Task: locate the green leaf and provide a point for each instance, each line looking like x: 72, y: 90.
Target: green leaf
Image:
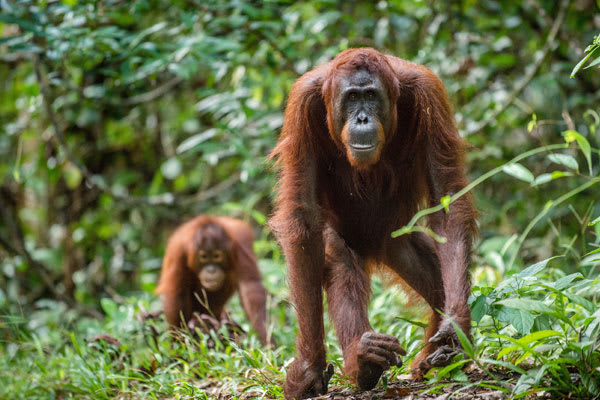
x: 506, y: 350
x: 592, y: 50
x: 564, y: 159
x: 518, y: 171
x: 526, y: 304
x: 109, y: 306
x: 194, y: 141
x: 582, y: 142
x: 592, y: 223
x: 449, y: 368
x: 593, y: 63
x: 565, y: 281
x: 464, y: 340
x: 479, y: 308
x: 521, y: 320
x: 593, y: 252
x: 536, y: 336
x: 585, y: 303
x: 544, y: 178
x: 540, y: 179
x: 534, y: 268
x: 75, y: 344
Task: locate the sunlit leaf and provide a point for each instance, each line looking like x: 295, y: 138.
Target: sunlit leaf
x: 564, y: 159
x: 194, y: 141
x: 539, y: 335
x: 518, y: 171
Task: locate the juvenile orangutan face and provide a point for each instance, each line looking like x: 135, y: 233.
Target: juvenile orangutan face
x: 212, y: 269
x: 212, y: 257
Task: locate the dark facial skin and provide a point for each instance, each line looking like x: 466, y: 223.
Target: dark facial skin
x: 361, y: 116
x: 211, y: 266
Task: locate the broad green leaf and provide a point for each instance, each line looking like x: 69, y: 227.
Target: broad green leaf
x: 521, y: 320
x: 479, y: 308
x: 526, y: 304
x: 564, y: 159
x: 518, y: 171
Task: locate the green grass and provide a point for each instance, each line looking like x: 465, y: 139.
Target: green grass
x: 537, y: 330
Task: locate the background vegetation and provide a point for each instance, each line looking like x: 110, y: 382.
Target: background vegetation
x: 119, y: 120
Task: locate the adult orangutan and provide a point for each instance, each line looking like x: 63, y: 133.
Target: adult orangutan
x: 207, y: 260
x: 367, y: 140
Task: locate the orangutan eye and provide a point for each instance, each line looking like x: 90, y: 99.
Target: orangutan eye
x: 352, y: 96
x: 217, y: 256
x: 202, y: 256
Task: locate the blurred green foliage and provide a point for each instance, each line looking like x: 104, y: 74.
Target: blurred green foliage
x: 119, y: 120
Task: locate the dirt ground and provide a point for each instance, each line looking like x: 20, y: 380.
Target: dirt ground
x: 402, y: 388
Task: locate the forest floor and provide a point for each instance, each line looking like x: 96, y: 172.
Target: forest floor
x: 404, y: 388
